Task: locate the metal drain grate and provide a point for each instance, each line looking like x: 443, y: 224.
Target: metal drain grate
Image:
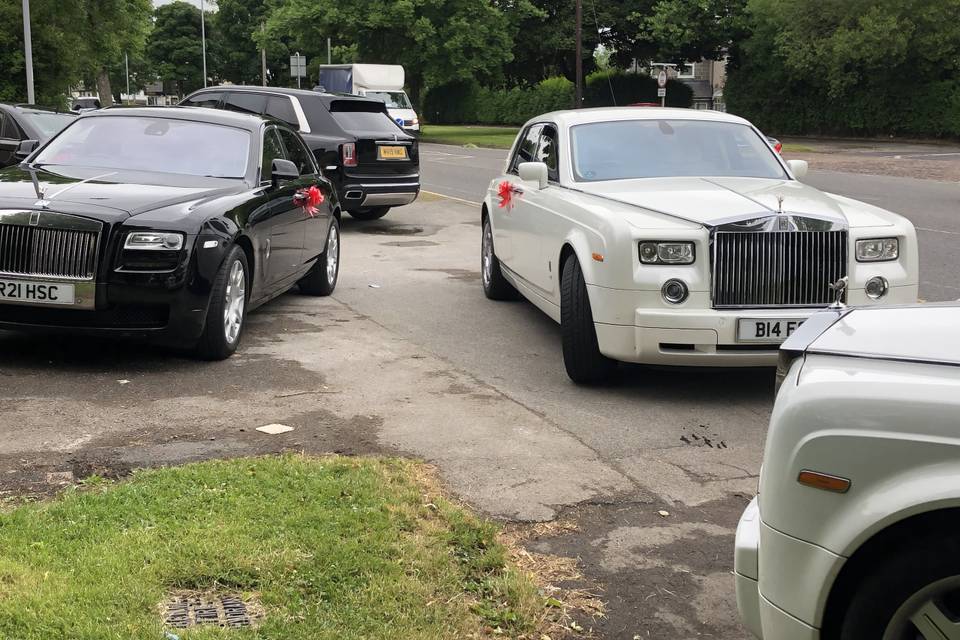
x: 184, y: 611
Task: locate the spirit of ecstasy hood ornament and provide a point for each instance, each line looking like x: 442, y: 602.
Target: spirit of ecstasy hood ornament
x: 839, y: 288
x: 780, y: 200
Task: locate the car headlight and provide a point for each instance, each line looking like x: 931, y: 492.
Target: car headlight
x: 153, y: 241
x: 878, y: 250
x: 667, y: 252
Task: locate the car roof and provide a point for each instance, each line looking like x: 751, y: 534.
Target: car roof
x: 248, y: 121
x: 327, y: 97
x: 573, y: 117
x: 914, y: 333
x: 32, y: 108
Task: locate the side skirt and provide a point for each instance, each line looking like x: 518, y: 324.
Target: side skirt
x: 528, y: 291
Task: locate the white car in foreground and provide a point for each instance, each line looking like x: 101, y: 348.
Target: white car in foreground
x: 677, y: 237
x: 855, y: 534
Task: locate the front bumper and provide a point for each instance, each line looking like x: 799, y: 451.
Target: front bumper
x: 781, y: 581
x: 638, y: 326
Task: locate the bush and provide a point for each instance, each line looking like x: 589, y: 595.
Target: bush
x: 619, y: 88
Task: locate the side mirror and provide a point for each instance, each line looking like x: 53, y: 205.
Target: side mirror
x: 26, y: 148
x: 535, y: 172
x: 798, y: 168
x: 283, y: 171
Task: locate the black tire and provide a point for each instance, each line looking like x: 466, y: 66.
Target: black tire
x: 370, y: 213
x: 581, y: 354
x: 921, y: 569
x: 322, y: 278
x: 495, y: 286
x: 219, y: 341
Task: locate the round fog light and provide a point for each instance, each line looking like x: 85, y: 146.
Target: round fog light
x: 876, y: 287
x: 674, y: 291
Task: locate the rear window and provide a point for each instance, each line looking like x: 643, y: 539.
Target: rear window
x: 246, y: 102
x: 281, y: 108
x: 359, y: 115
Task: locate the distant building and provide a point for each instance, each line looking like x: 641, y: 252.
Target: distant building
x: 707, y: 79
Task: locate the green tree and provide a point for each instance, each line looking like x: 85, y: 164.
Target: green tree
x: 692, y: 30
x: 174, y: 49
x: 109, y: 28
x: 237, y: 23
x: 435, y: 40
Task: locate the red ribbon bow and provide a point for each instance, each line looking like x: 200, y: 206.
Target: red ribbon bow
x: 308, y: 200
x: 506, y: 192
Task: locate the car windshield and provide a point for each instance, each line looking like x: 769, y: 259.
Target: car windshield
x: 627, y: 149
x: 151, y: 144
x: 393, y: 99
x: 47, y: 123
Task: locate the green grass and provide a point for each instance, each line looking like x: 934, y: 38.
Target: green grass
x: 462, y: 135
x: 790, y: 147
x: 332, y: 547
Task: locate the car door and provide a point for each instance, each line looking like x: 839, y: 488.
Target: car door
x: 9, y: 140
x: 315, y: 225
x: 541, y: 221
x: 507, y: 232
x: 278, y: 219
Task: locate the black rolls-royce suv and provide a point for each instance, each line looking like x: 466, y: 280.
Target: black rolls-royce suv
x: 373, y: 163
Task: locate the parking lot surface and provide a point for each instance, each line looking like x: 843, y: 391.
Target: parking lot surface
x: 648, y: 476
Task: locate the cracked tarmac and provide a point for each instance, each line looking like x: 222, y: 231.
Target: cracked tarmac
x: 425, y: 366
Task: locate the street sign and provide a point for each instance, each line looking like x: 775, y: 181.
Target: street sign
x: 298, y: 66
x: 662, y: 79
x: 662, y: 92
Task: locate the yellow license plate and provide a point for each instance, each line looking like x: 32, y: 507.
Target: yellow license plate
x: 391, y: 153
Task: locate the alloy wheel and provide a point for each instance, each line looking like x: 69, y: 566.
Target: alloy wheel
x: 234, y: 303
x: 933, y: 613
x: 333, y: 254
x: 487, y: 253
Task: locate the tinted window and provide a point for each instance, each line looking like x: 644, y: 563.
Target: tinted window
x: 272, y: 150
x: 151, y: 144
x: 548, y: 153
x: 246, y: 102
x: 363, y: 116
x: 527, y: 149
x: 7, y: 127
x: 203, y: 100
x: 296, y: 152
x: 280, y: 107
x: 667, y: 148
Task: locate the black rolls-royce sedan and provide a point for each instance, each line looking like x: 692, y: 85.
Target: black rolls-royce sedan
x: 168, y: 224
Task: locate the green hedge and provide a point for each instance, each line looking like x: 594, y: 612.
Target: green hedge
x: 466, y: 102
x: 780, y: 106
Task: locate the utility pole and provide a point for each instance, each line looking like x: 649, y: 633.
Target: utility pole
x: 578, y: 100
x: 263, y: 58
x: 126, y: 67
x: 203, y: 39
x: 328, y: 50
x: 28, y: 51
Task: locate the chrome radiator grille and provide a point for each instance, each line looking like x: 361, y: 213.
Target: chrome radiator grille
x: 777, y: 268
x: 46, y: 252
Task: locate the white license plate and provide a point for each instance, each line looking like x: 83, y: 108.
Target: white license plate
x: 771, y: 330
x: 36, y: 292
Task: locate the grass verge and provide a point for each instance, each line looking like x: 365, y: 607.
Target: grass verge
x: 330, y: 547
x: 463, y: 135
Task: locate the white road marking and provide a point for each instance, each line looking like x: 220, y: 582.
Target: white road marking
x: 952, y: 233
x: 443, y: 195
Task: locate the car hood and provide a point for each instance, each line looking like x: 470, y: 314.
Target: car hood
x: 714, y: 201
x: 103, y: 193
x: 925, y: 333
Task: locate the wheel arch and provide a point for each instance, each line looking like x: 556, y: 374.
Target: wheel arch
x: 901, y: 532
x: 247, y: 246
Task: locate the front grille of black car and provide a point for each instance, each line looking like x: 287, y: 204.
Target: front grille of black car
x: 119, y: 317
x: 45, y: 252
x: 777, y: 268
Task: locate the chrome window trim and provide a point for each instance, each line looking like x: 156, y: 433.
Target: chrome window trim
x: 301, y: 116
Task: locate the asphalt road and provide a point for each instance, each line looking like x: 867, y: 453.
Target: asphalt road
x: 933, y: 207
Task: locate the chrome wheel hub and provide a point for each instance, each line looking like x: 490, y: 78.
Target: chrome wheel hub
x: 333, y: 254
x: 930, y: 614
x: 487, y: 253
x: 234, y: 303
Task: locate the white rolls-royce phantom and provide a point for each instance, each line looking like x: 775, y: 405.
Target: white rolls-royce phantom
x: 678, y: 237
